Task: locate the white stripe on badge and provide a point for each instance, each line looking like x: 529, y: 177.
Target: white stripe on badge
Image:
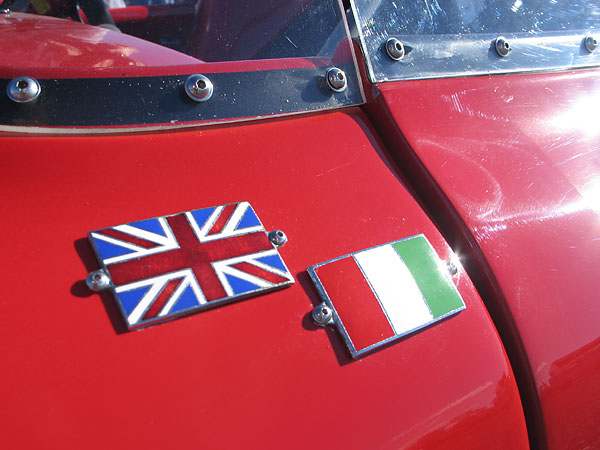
x: 395, y: 288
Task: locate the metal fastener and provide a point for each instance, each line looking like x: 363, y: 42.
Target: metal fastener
x: 199, y: 88
x: 278, y: 238
x: 590, y: 43
x: 322, y: 314
x: 502, y: 46
x: 395, y: 49
x: 336, y: 79
x: 452, y: 269
x: 98, y: 281
x: 23, y: 89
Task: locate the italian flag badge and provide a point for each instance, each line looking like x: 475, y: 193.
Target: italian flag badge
x: 385, y: 292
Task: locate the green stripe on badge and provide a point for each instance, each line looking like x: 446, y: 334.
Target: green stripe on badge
x: 436, y: 286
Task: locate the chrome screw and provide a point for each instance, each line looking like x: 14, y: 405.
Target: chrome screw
x: 278, y: 238
x: 98, y: 281
x: 502, y: 46
x: 322, y: 314
x: 23, y: 89
x: 452, y: 269
x: 336, y: 79
x: 590, y: 43
x: 395, y: 49
x: 199, y: 88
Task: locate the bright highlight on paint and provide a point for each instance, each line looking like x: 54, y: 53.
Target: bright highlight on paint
x: 386, y: 292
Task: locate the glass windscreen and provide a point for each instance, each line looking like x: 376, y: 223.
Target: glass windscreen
x: 413, y: 17
x: 105, y: 63
x: 453, y: 37
x: 211, y: 30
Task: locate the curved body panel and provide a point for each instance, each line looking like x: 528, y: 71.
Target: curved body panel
x: 512, y: 165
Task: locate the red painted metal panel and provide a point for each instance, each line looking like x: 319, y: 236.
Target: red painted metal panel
x: 518, y: 159
x: 253, y: 374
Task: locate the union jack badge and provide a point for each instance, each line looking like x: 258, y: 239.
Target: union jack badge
x: 165, y: 267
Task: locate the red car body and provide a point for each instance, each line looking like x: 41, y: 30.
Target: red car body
x: 502, y: 171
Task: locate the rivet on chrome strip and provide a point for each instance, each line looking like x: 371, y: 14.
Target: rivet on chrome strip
x: 322, y: 314
x: 278, y: 238
x: 23, y: 89
x: 502, y: 46
x: 199, y: 88
x: 590, y: 43
x: 98, y: 281
x: 336, y: 79
x: 395, y: 49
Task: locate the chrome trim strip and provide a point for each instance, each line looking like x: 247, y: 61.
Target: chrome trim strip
x: 118, y: 103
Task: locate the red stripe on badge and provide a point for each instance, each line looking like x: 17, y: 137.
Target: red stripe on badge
x: 161, y: 300
x: 356, y: 304
x: 223, y: 218
x: 260, y: 273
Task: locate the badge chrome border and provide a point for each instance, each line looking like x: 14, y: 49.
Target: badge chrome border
x: 198, y: 308
x: 337, y: 322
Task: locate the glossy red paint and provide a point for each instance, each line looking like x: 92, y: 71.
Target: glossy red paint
x: 510, y: 165
x: 253, y: 374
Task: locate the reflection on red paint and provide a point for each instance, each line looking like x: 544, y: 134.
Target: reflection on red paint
x: 446, y: 431
x: 510, y: 168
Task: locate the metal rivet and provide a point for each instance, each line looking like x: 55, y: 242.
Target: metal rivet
x: 395, y: 49
x: 452, y: 269
x: 336, y: 79
x: 278, y: 238
x: 199, y: 88
x: 502, y: 46
x: 23, y: 89
x: 322, y: 314
x: 98, y: 281
x: 590, y: 43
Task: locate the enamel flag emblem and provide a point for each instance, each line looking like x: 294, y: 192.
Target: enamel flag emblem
x: 165, y: 267
x: 383, y: 293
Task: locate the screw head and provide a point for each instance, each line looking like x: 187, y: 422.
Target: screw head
x: 590, y: 43
x: 336, y: 79
x: 452, y: 269
x: 98, y: 281
x: 278, y: 238
x: 23, y: 89
x: 394, y: 49
x: 199, y: 88
x: 322, y: 314
x: 502, y: 46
